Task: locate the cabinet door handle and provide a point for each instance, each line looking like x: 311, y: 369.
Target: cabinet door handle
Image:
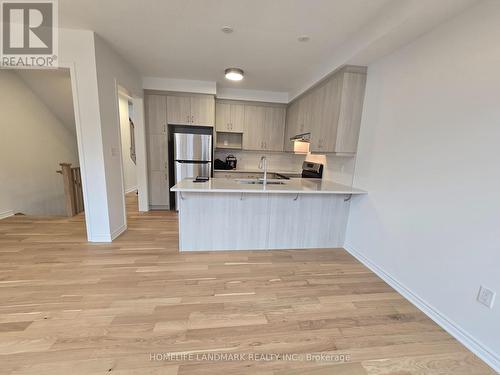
x: 192, y: 119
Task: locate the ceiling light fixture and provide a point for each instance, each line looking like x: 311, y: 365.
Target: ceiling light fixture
x: 303, y: 38
x: 227, y: 29
x: 234, y: 74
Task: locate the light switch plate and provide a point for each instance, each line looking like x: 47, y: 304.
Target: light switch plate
x: 486, y: 297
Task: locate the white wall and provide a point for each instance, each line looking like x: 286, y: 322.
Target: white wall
x: 76, y: 51
x: 335, y: 168
x: 129, y: 167
x: 112, y: 71
x: 33, y: 142
x: 429, y: 158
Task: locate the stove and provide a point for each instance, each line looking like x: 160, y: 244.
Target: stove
x: 312, y: 170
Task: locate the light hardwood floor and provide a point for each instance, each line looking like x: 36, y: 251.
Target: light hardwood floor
x: 70, y: 307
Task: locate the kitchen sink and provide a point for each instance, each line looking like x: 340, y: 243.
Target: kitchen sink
x: 260, y: 181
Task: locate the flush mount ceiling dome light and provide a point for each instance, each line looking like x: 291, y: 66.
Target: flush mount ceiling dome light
x: 234, y: 74
x: 227, y: 29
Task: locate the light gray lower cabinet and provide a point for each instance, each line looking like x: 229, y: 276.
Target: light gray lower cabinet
x: 306, y: 221
x: 156, y: 129
x: 158, y: 190
x: 235, y: 221
x: 210, y: 222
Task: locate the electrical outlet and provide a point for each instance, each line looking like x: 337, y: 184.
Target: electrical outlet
x: 486, y: 297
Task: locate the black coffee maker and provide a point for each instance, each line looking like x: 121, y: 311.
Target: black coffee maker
x: 231, y: 161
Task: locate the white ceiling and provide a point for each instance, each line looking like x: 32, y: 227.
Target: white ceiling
x: 182, y: 38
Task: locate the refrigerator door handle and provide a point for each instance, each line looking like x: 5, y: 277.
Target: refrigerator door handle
x: 194, y: 161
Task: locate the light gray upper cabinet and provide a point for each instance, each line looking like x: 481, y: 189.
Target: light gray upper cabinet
x: 156, y: 127
x: 203, y: 110
x: 324, y: 118
x: 253, y: 135
x: 264, y: 128
x: 304, y: 116
x: 292, y: 125
x: 156, y: 114
x: 191, y: 110
x: 274, y: 128
x: 331, y: 112
x: 336, y: 127
x: 351, y: 109
x: 178, y: 109
x: 229, y: 118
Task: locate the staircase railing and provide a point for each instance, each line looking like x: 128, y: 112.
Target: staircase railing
x: 73, y: 192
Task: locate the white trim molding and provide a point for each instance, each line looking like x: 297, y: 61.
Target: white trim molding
x: 179, y: 85
x: 6, y: 213
x: 252, y: 95
x: 479, y: 349
x: 99, y: 238
x: 130, y: 190
x: 105, y: 238
x: 140, y: 148
x: 118, y: 232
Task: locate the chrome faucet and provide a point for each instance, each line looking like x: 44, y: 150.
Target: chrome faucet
x: 263, y: 165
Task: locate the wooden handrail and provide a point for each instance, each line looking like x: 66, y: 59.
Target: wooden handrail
x: 72, y: 189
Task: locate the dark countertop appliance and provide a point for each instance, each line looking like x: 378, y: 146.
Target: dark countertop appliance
x: 231, y: 161
x: 312, y: 170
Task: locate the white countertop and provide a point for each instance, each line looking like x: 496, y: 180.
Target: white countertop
x: 292, y: 186
x: 256, y: 170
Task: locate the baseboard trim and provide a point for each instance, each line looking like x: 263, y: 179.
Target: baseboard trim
x: 108, y: 237
x: 118, y: 231
x: 482, y: 351
x: 5, y: 214
x: 130, y: 190
x: 159, y: 208
x: 104, y: 238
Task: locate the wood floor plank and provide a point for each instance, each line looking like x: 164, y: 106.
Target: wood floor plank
x: 69, y: 306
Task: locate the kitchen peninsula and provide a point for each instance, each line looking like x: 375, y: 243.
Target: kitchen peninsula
x: 245, y: 214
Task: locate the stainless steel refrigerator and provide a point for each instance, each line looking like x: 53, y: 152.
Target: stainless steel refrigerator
x: 192, y: 156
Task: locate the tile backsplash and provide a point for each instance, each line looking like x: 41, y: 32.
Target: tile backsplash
x: 336, y: 168
x: 275, y: 160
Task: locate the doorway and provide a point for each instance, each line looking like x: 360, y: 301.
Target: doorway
x: 38, y: 140
x: 128, y: 149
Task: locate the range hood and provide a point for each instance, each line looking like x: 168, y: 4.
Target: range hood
x: 301, y: 143
x: 305, y: 137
